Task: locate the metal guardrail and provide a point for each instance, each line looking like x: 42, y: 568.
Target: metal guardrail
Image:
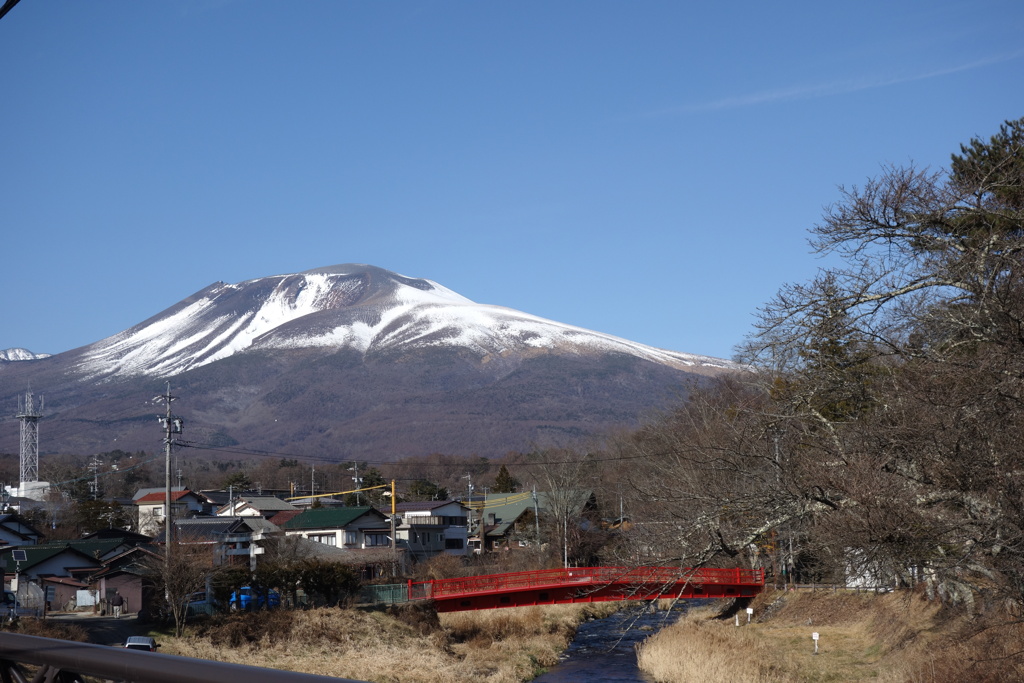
x: 386, y: 593
x: 67, y: 661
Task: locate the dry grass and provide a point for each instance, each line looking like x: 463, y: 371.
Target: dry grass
x: 888, y: 638
x: 695, y: 650
x: 45, y: 628
x: 407, y: 646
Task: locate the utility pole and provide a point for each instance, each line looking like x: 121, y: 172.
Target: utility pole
x: 357, y: 480
x: 172, y: 425
x: 482, y: 526
x: 536, y: 516
x: 469, y: 504
x: 394, y: 543
x: 565, y: 541
x: 94, y: 485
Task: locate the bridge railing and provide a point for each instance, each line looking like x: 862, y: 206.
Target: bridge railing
x: 639, y: 576
x: 64, y: 660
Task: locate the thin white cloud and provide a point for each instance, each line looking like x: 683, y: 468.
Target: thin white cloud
x: 806, y: 92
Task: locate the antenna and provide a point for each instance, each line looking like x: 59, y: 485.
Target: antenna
x: 29, y: 416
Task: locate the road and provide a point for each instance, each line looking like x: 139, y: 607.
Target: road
x: 103, y: 630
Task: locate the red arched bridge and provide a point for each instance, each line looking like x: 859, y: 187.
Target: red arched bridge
x: 585, y: 584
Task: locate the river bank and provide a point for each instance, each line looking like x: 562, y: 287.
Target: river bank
x: 889, y: 638
x: 409, y: 645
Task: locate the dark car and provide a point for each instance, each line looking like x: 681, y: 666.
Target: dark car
x: 10, y: 609
x: 144, y: 643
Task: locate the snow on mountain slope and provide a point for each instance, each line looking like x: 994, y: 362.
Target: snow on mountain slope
x: 356, y: 306
x: 21, y: 354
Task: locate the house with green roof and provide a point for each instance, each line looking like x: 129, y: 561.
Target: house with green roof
x: 363, y: 532
x: 41, y: 562
x: 509, y: 520
x: 354, y: 528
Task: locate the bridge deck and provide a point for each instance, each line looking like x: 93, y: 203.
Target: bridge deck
x: 586, y: 584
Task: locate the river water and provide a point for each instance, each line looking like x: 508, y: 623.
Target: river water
x: 604, y: 649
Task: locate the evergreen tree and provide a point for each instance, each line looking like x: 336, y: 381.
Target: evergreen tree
x: 505, y: 482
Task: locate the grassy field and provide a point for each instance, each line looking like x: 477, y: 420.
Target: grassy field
x: 895, y: 637
x: 406, y: 646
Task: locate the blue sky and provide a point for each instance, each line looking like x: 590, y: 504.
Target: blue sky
x: 644, y: 169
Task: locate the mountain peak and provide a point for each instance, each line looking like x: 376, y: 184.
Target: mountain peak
x: 352, y: 306
x: 17, y: 354
x: 350, y: 361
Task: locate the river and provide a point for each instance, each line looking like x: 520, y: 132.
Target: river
x: 604, y: 649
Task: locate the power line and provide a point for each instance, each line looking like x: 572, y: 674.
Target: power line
x: 7, y: 6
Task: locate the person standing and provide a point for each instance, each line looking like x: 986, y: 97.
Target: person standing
x: 117, y: 602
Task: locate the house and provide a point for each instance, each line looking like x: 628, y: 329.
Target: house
x: 511, y: 520
x: 320, y: 501
x: 244, y: 539
x: 154, y: 489
x: 184, y: 503
x: 352, y: 527
x: 62, y: 592
x: 432, y: 527
x: 42, y: 561
x: 15, y: 531
x: 254, y: 506
x: 126, y: 573
x: 123, y: 535
x: 362, y: 532
x: 230, y: 538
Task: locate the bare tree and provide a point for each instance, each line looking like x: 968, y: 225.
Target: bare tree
x: 902, y: 370
x: 879, y: 429
x: 191, y: 567
x: 566, y: 483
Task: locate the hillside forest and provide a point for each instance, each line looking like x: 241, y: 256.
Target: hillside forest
x: 874, y: 435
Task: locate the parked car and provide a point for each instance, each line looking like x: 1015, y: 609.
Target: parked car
x: 144, y: 643
x: 247, y: 597
x: 10, y: 609
x: 199, y: 603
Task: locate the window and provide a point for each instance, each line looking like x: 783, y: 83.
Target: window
x: 453, y: 544
x: 377, y: 539
x: 350, y: 538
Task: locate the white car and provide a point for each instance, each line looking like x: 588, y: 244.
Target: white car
x: 144, y: 643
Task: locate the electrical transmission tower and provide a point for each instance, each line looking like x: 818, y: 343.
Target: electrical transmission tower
x: 29, y: 416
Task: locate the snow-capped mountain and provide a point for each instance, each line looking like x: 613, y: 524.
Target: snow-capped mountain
x: 350, y: 361
x: 20, y: 354
x: 358, y: 307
